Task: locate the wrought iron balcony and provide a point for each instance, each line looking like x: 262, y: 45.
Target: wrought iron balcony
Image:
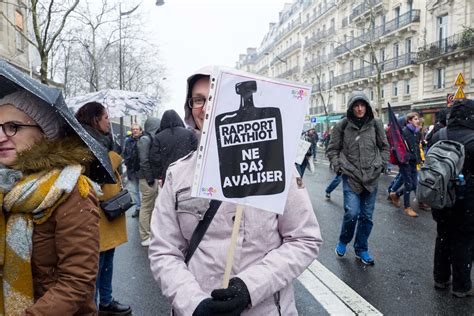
x: 322, y: 86
x: 318, y: 60
x: 369, y: 71
x: 362, y: 8
x: 455, y: 43
x: 289, y: 72
x: 313, y: 40
x: 379, y: 31
x: 325, y: 8
x: 293, y: 25
x: 290, y: 49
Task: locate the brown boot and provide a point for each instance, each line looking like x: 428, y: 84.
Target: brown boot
x: 395, y: 199
x: 410, y: 212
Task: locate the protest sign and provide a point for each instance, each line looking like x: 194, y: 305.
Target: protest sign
x: 249, y: 139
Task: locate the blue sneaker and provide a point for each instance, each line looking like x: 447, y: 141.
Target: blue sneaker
x: 340, y: 249
x: 365, y: 258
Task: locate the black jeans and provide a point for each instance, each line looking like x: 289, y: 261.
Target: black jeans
x: 454, y: 248
x: 409, y: 176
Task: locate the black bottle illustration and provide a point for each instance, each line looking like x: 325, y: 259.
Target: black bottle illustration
x: 250, y: 147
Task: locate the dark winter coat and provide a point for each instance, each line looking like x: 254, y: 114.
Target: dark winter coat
x: 413, y: 141
x: 152, y: 125
x: 359, y: 153
x: 173, y: 142
x: 130, y: 142
x: 461, y: 128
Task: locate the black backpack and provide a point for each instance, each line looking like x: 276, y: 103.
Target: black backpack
x: 444, y: 161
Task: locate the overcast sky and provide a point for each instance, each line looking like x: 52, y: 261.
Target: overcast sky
x: 197, y: 33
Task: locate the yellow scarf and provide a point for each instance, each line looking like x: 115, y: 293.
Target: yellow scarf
x: 32, y: 200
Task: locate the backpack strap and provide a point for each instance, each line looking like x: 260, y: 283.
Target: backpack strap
x: 201, y: 229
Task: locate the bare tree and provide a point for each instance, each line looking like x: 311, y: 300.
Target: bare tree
x: 48, y: 20
x: 94, y: 41
x: 321, y: 89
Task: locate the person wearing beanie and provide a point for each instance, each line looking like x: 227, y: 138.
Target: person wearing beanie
x: 94, y: 118
x: 49, y: 223
x: 454, y: 246
x: 358, y: 150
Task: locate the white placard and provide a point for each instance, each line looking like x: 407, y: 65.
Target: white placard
x: 248, y: 145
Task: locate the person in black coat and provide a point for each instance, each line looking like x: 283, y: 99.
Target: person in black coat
x: 173, y: 142
x: 454, y: 249
x: 408, y: 170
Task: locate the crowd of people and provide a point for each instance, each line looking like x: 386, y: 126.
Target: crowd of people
x: 52, y: 199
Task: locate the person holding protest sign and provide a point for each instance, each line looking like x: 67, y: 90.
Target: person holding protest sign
x: 272, y: 250
x: 359, y: 150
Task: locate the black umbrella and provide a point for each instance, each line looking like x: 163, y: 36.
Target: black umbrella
x: 12, y: 79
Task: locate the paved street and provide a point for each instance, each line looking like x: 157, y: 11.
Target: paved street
x: 399, y: 283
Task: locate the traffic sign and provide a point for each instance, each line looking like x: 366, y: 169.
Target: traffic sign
x: 314, y: 119
x: 459, y: 94
x: 460, y: 81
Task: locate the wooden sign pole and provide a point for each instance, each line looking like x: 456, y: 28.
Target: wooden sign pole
x: 233, y: 244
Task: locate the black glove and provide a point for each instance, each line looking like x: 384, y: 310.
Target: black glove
x: 203, y: 308
x: 150, y: 183
x: 230, y: 302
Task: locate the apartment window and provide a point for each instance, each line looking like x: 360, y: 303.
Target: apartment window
x: 331, y: 77
x: 396, y: 52
x: 382, y: 92
x: 408, y: 45
x: 397, y: 16
x: 439, y: 78
x: 371, y: 94
x: 382, y: 58
x: 410, y: 5
x: 442, y: 30
x: 407, y: 86
x: 395, y: 89
x: 333, y: 23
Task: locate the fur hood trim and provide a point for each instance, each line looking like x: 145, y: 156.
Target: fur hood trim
x: 51, y: 154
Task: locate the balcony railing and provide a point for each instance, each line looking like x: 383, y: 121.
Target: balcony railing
x: 363, y: 7
x: 323, y: 86
x: 313, y: 40
x: 325, y: 8
x: 368, y: 71
x: 294, y: 24
x: 289, y: 72
x: 318, y: 60
x: 290, y: 49
x: 381, y: 30
x: 457, y: 42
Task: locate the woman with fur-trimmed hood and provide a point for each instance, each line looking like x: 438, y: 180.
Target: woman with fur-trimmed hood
x: 49, y: 224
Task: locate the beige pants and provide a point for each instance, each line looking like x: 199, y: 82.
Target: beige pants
x: 149, y: 195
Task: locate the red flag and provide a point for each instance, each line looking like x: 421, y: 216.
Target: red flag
x: 398, y: 147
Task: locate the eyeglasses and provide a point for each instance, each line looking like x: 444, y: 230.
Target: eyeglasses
x: 196, y: 102
x: 10, y: 128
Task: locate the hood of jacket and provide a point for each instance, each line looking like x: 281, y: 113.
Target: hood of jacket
x: 170, y: 119
x: 359, y: 96
x: 188, y: 116
x: 50, y: 154
x: 152, y: 125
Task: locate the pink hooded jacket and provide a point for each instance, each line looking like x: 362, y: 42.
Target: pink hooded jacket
x: 272, y: 250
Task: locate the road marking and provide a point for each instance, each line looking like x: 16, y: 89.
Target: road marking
x: 333, y: 294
